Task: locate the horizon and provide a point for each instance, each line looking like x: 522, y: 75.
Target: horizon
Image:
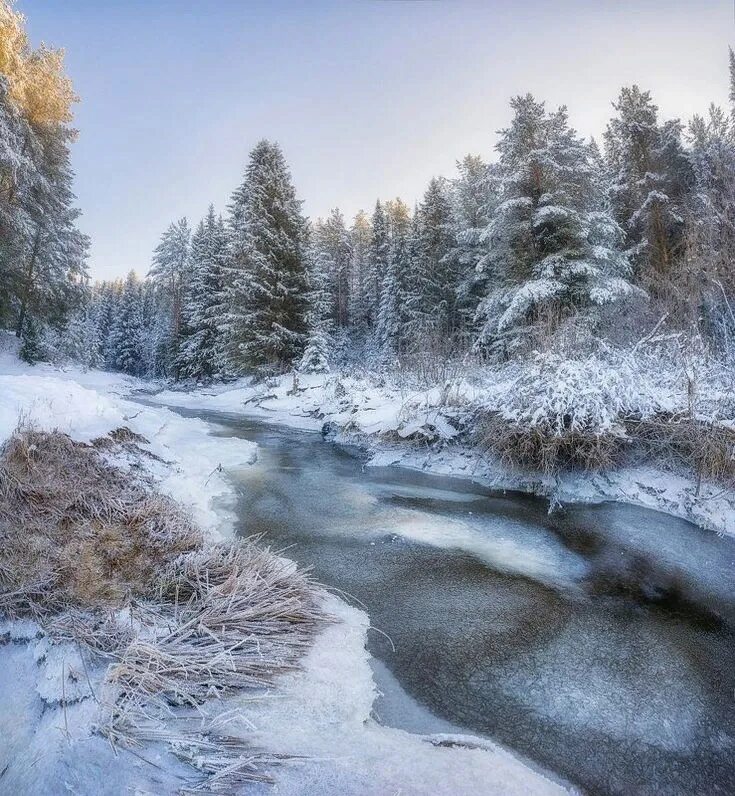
x: 367, y: 100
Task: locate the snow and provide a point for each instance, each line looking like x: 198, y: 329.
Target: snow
x: 560, y: 394
x: 49, y: 689
x: 401, y: 424
x: 89, y: 404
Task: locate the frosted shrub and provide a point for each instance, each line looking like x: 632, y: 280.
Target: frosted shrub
x: 555, y: 412
x: 559, y: 395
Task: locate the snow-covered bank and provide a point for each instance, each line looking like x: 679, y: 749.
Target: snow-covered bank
x: 48, y: 692
x: 422, y: 429
x: 88, y: 404
x: 49, y: 689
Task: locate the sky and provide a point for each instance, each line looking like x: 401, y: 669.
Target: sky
x: 368, y: 98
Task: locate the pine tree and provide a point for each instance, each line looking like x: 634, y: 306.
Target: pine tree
x: 266, y: 321
x: 52, y: 262
x: 42, y: 253
x: 651, y: 179
x: 17, y: 175
x: 551, y: 246
x: 200, y: 350
x: 710, y: 242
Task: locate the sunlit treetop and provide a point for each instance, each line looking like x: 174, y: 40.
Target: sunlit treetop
x: 37, y: 83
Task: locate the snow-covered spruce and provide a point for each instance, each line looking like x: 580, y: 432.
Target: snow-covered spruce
x: 265, y: 324
x: 552, y: 247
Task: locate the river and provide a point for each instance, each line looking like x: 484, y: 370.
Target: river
x: 597, y: 642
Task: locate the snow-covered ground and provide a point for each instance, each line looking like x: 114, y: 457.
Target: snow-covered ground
x: 86, y: 405
x: 419, y: 429
x: 48, y: 690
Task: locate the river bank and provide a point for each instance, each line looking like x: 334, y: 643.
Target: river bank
x: 427, y: 430
x: 333, y: 690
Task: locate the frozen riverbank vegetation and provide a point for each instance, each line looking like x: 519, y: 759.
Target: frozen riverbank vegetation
x: 129, y: 632
x: 646, y: 425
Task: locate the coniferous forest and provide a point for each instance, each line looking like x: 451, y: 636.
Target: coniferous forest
x: 547, y: 237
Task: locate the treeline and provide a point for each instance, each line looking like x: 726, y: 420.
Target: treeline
x: 557, y: 241
x: 43, y: 273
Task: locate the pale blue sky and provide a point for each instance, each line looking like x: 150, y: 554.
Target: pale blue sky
x: 367, y: 98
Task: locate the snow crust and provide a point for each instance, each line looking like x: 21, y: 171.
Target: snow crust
x: 48, y: 690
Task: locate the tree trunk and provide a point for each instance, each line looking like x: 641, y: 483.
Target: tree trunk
x: 28, y: 280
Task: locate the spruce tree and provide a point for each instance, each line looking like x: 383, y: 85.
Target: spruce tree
x: 433, y: 301
x: 471, y: 200
x: 267, y: 282
x: 127, y: 332
x: 200, y: 350
x: 391, y: 322
x: 552, y: 248
x: 320, y: 320
x: 359, y: 290
x: 651, y: 177
x: 332, y: 237
x: 377, y: 263
x: 170, y: 274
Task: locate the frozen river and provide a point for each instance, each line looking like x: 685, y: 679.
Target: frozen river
x: 597, y: 642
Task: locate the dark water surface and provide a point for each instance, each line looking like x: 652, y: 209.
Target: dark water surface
x: 598, y: 642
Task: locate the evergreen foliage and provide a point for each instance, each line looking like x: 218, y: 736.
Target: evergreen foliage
x: 554, y: 234
x: 43, y: 255
x: 265, y: 326
x: 552, y: 248
x: 201, y: 355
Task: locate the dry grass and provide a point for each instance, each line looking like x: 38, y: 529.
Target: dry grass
x: 538, y: 448
x: 90, y: 534
x: 673, y: 441
x: 98, y: 557
x: 680, y: 440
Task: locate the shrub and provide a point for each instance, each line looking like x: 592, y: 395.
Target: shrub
x: 555, y: 412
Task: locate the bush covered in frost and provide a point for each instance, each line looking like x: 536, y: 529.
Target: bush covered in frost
x: 554, y: 412
x: 559, y: 395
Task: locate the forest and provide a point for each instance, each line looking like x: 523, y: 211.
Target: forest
x: 553, y: 243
